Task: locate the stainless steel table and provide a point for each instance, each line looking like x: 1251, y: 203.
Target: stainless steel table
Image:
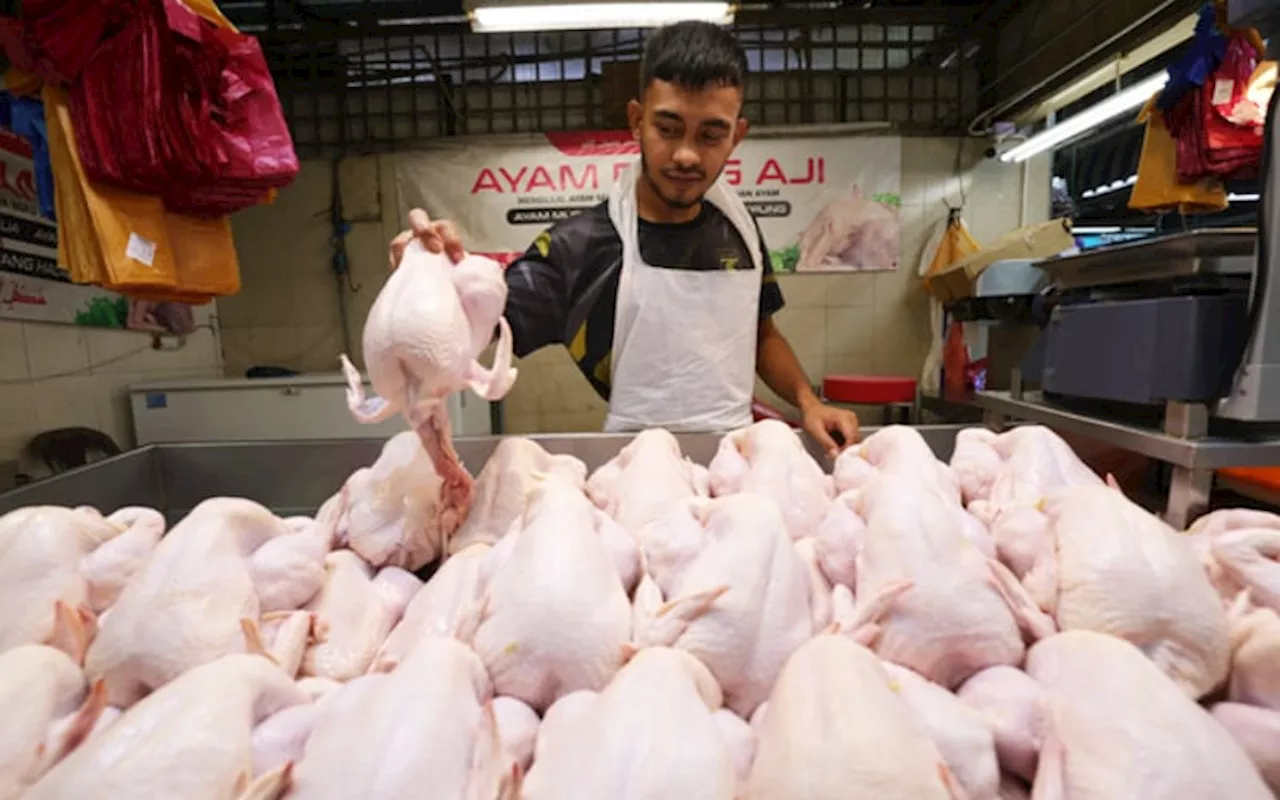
x: 296, y: 477
x: 1183, y: 442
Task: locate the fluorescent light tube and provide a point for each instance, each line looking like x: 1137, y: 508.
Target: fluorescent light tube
x: 499, y: 18
x: 1116, y: 105
x: 1243, y: 198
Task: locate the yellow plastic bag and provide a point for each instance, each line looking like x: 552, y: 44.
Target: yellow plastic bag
x: 21, y: 83
x: 107, y: 235
x: 1157, y: 188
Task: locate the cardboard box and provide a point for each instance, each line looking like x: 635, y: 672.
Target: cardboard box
x: 1037, y: 241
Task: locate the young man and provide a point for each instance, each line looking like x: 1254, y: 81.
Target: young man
x: 664, y: 294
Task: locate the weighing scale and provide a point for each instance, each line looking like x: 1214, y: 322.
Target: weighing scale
x: 1189, y: 323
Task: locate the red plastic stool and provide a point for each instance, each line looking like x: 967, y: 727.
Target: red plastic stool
x: 894, y: 394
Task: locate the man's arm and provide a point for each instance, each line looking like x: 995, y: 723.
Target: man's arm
x: 778, y: 367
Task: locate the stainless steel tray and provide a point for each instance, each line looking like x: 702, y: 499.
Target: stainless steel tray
x: 296, y: 477
x: 1224, y: 251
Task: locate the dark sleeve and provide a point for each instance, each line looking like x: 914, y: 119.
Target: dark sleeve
x: 537, y: 295
x: 771, y: 301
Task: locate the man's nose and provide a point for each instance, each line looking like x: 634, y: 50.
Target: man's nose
x: 686, y: 157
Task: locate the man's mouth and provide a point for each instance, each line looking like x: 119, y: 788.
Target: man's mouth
x: 685, y: 180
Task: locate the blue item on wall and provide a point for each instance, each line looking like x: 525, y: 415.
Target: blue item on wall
x: 28, y: 122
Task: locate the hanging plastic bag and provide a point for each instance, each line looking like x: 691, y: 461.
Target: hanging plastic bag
x: 949, y: 244
x: 1158, y: 189
x: 27, y: 120
x: 56, y: 38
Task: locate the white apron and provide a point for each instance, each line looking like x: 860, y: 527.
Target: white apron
x: 684, y: 341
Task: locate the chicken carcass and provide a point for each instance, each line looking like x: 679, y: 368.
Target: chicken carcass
x: 1119, y: 727
x: 1034, y: 462
x: 834, y: 729
x: 851, y: 232
x: 395, y: 515
x: 743, y: 605
x: 353, y: 614
x: 1104, y: 564
x: 429, y: 324
x: 198, y: 598
x: 943, y: 612
x: 1257, y: 730
x: 1255, y: 658
x: 427, y: 726
x: 892, y: 450
x: 191, y: 738
x: 1009, y: 700
x: 768, y: 458
x: 651, y: 734
x: 513, y: 469
x: 975, y: 462
x: 557, y: 618
x: 448, y: 605
x: 48, y: 710
x: 58, y: 566
x: 647, y: 478
x: 962, y: 734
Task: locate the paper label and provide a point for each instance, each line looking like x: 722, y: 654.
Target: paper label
x: 1223, y: 90
x: 140, y: 249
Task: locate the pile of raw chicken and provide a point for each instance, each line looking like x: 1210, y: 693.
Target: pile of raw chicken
x: 899, y: 629
x: 903, y: 628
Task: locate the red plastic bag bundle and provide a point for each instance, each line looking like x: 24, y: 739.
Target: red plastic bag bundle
x: 214, y: 140
x: 254, y: 148
x: 56, y: 38
x: 1217, y: 133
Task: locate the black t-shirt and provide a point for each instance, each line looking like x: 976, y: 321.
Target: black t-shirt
x: 564, y: 289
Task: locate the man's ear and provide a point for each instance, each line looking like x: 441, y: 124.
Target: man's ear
x: 740, y: 130
x: 635, y: 115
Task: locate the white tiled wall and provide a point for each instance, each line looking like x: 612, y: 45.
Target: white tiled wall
x: 55, y: 376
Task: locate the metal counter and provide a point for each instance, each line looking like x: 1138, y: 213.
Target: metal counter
x: 296, y: 477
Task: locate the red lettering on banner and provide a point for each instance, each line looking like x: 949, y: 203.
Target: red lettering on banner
x: 590, y: 178
x: 814, y: 171
x: 513, y: 181
x: 540, y: 179
x: 21, y: 185
x: 733, y: 172
x: 620, y: 167
x: 486, y: 181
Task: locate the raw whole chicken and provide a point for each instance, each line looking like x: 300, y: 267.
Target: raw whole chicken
x: 1031, y: 462
x: 557, y: 618
x: 768, y: 458
x: 190, y: 739
x: 851, y: 232
x: 963, y: 736
x: 947, y: 612
x: 651, y: 734
x: 834, y: 729
x: 743, y: 605
x: 448, y: 605
x: 1119, y: 727
x: 58, y: 566
x: 1241, y: 550
x: 646, y: 480
x: 198, y: 598
x: 395, y: 515
x: 428, y: 726
x: 429, y: 324
x: 48, y: 710
x: 1257, y: 731
x: 1255, y: 659
x: 513, y: 469
x: 893, y: 450
x: 1008, y: 699
x: 353, y: 614
x: 1102, y: 563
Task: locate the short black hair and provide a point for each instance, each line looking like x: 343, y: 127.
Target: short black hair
x: 693, y: 55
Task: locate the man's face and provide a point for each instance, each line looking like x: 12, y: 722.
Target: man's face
x: 686, y: 136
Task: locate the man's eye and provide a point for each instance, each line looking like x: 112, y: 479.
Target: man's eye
x: 713, y: 138
x: 668, y: 131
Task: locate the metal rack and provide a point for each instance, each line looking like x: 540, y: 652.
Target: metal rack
x: 1183, y: 442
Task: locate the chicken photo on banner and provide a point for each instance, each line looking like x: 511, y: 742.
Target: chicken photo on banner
x: 853, y: 231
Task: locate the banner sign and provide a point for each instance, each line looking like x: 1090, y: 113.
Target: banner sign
x: 824, y: 204
x: 32, y: 285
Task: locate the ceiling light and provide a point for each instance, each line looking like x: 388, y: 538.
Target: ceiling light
x: 1118, y: 104
x: 507, y: 16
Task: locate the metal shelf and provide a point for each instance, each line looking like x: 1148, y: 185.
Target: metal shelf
x: 1202, y: 453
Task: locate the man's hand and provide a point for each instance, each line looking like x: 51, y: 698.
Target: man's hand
x: 824, y: 423
x: 436, y: 237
